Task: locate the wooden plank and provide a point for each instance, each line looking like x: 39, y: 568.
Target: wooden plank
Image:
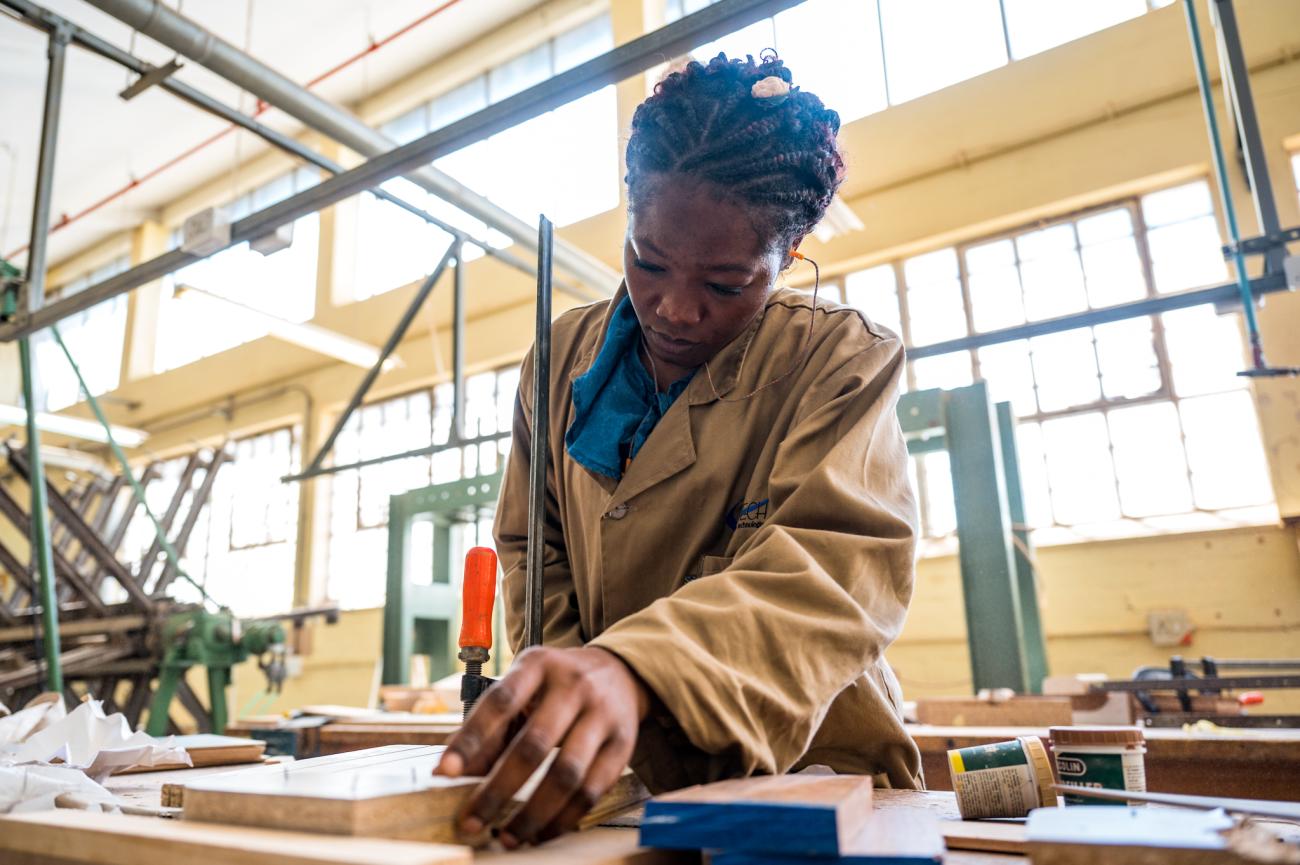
x: 985, y: 836
x: 813, y: 815
x: 894, y: 837
x: 595, y: 847
x: 340, y: 737
x: 115, y: 839
x: 381, y: 793
x: 1247, y: 764
x: 207, y: 749
x: 974, y: 712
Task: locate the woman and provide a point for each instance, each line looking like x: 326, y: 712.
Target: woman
x: 730, y: 528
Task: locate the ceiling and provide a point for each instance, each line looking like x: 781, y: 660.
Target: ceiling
x: 105, y: 142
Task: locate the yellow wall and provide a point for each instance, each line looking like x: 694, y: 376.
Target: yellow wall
x: 1115, y: 113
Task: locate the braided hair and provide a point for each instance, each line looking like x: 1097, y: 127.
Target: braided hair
x: 777, y: 153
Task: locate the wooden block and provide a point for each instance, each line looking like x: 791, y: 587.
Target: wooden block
x: 206, y: 750
x: 1016, y: 711
x: 339, y: 737
x: 380, y: 793
x: 811, y: 815
x: 893, y: 837
x: 984, y: 836
x: 115, y: 839
x: 595, y: 847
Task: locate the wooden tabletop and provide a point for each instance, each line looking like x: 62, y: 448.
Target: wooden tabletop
x: 599, y: 846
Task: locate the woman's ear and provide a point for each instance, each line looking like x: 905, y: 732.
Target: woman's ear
x: 788, y: 256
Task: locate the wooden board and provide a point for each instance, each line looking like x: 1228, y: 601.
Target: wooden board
x: 974, y: 712
x: 812, y: 815
x: 339, y: 738
x: 380, y: 793
x: 892, y: 837
x: 116, y: 839
x: 1247, y: 764
x: 206, y: 749
x: 987, y: 836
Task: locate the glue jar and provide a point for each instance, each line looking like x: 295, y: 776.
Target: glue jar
x: 1005, y: 779
x: 1113, y: 758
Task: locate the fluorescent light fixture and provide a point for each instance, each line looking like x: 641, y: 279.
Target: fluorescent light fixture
x: 73, y: 426
x: 838, y: 220
x: 66, y: 458
x: 309, y: 336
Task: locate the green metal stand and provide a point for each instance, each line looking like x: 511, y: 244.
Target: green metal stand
x: 418, y: 616
x: 1002, y: 617
x: 217, y: 641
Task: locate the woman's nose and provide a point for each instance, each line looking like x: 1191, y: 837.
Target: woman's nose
x: 676, y: 308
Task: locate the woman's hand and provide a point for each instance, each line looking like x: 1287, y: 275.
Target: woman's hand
x: 586, y: 702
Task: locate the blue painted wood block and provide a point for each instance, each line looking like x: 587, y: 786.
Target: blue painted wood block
x: 890, y: 837
x: 800, y: 815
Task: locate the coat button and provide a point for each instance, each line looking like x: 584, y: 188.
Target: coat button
x: 617, y: 512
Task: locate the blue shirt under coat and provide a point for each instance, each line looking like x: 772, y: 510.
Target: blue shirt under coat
x: 616, y: 403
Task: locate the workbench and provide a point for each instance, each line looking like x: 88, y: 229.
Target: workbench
x: 1244, y: 763
x: 599, y: 846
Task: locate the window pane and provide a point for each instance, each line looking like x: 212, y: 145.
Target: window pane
x: 583, y: 42
x: 1051, y: 273
x: 408, y: 126
x: 1225, y: 451
x: 1111, y: 264
x: 1129, y: 367
x: 934, y: 298
x: 749, y: 40
x: 1065, y: 367
x: 930, y: 44
x: 945, y: 371
x: 874, y: 292
x: 1205, y: 350
x: 394, y: 247
x: 995, y: 292
x: 841, y: 64
x: 1033, y: 475
x: 1187, y: 255
x: 1010, y: 375
x: 1149, y: 461
x: 95, y: 337
x: 940, y: 515
x: 1080, y: 468
x: 1177, y: 204
x: 1036, y: 25
x: 520, y: 73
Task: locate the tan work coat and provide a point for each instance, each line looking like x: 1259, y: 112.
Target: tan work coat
x: 754, y: 561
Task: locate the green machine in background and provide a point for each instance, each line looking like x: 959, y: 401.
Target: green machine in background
x: 217, y: 641
x: 1002, y: 614
x: 1003, y: 624
x: 421, y: 609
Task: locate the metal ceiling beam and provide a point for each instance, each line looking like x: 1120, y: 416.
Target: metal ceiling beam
x: 47, y: 21
x: 628, y: 59
x: 196, y: 42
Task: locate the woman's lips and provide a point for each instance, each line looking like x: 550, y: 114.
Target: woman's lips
x: 667, y: 345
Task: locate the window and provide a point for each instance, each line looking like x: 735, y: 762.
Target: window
x: 194, y: 325
x: 95, y: 337
x: 1127, y: 427
x: 860, y: 56
x: 563, y: 163
x: 359, y: 498
x: 244, y: 544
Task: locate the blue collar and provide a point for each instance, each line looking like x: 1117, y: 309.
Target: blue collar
x: 616, y: 404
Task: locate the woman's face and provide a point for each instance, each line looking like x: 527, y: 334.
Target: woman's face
x: 697, y: 270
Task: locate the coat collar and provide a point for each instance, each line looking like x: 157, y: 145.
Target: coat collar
x: 723, y: 368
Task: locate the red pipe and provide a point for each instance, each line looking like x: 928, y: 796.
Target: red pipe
x: 66, y: 220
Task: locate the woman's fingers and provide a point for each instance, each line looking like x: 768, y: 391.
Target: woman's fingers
x: 478, y: 743
x: 605, y: 770
x: 566, y: 777
x: 545, y: 728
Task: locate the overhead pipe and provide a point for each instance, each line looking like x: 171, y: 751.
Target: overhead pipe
x: 191, y: 39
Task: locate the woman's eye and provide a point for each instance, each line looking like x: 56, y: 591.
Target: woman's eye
x: 726, y: 290
x: 647, y: 266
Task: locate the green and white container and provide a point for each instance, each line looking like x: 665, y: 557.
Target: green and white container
x: 1112, y: 758
x: 1005, y: 779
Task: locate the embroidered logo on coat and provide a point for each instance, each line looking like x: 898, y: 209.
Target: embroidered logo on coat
x: 747, y: 515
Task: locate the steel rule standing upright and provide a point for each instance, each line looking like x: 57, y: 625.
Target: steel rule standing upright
x: 540, y: 439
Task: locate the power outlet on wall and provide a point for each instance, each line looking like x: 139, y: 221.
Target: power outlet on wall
x: 1170, y: 627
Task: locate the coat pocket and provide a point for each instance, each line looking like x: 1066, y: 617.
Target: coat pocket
x: 707, y: 566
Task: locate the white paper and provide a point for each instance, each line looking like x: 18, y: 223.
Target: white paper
x: 1138, y: 827
x: 88, y: 740
x: 35, y: 788
x: 22, y: 724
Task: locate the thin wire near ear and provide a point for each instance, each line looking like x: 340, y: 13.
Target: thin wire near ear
x: 807, y: 340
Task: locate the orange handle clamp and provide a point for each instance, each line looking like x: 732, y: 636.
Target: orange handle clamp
x: 478, y: 593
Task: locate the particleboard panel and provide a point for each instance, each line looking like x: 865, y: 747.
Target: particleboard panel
x: 815, y: 815
x: 90, y: 838
x: 382, y: 793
